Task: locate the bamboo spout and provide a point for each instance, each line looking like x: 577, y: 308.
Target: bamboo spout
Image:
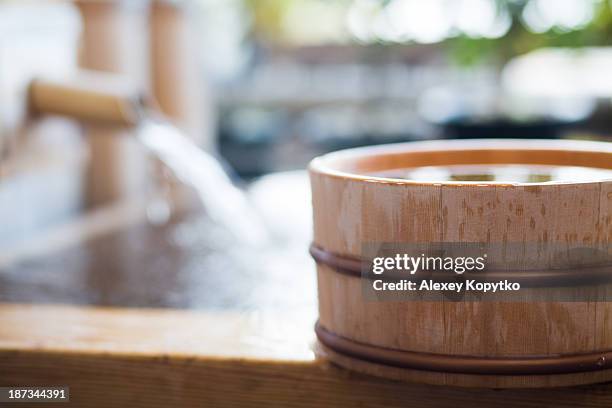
x: 98, y: 98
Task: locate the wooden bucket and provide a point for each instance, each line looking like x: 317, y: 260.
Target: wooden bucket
x: 480, y: 344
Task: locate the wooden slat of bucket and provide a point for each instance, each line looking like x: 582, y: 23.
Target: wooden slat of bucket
x: 477, y: 328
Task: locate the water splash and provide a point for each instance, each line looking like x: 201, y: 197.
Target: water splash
x: 223, y: 202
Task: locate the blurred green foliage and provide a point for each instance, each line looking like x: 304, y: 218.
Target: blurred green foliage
x: 268, y: 17
x: 520, y: 40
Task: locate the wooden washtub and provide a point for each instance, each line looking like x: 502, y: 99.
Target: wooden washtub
x: 482, y: 344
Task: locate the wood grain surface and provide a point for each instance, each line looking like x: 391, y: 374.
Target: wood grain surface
x: 154, y: 358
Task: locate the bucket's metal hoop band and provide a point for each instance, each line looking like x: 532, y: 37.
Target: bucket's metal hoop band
x: 354, y: 266
x: 511, y: 366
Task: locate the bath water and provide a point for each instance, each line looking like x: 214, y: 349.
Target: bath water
x: 509, y: 173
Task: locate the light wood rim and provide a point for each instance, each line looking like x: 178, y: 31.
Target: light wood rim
x: 354, y: 164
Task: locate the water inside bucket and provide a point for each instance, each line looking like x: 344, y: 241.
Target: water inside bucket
x: 509, y: 173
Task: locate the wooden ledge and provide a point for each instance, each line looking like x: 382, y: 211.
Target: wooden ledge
x: 154, y: 332
x: 159, y: 357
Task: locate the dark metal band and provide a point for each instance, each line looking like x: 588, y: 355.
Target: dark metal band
x: 345, y: 264
x: 561, y: 364
x: 352, y: 266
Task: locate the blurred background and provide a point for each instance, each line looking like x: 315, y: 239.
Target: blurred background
x: 308, y: 76
x: 256, y: 89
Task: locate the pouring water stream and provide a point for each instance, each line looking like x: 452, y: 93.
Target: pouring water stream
x: 224, y: 203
